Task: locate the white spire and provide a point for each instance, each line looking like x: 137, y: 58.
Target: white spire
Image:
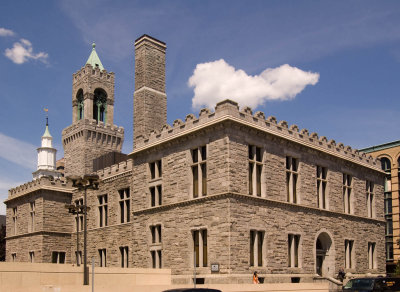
x: 46, y: 156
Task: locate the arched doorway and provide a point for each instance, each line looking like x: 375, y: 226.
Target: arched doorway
x: 324, y: 255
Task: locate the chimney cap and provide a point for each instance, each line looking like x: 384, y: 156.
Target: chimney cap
x: 145, y: 36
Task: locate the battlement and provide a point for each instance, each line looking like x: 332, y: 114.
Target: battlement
x: 229, y: 110
x: 115, y: 169
x: 91, y: 129
x: 89, y: 70
x: 45, y: 182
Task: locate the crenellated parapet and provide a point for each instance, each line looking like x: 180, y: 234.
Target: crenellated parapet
x: 96, y: 72
x: 116, y: 170
x: 229, y: 110
x: 43, y: 183
x: 96, y: 132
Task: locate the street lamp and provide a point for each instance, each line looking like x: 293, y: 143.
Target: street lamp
x: 76, y: 210
x: 88, y: 181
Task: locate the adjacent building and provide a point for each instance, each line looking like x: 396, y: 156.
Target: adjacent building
x: 389, y: 155
x: 224, y: 193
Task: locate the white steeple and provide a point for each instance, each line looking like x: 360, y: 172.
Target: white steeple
x: 46, y: 156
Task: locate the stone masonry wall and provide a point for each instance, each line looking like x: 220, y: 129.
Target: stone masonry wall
x: 277, y: 220
x: 86, y: 140
x: 115, y: 234
x: 176, y: 169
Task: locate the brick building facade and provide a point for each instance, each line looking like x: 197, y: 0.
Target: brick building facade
x: 229, y: 191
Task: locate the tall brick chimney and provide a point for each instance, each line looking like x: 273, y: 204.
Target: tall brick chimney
x: 149, y: 98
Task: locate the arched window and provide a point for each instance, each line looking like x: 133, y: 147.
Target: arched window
x: 100, y: 105
x: 385, y: 162
x: 79, y: 98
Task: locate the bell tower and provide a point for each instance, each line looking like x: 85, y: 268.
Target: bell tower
x: 92, y: 133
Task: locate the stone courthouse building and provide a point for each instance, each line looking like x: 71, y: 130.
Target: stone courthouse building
x: 228, y: 191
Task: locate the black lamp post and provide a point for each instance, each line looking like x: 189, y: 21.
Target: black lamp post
x: 76, y: 210
x: 88, y: 181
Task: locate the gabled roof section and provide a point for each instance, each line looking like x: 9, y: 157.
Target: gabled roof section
x: 94, y: 59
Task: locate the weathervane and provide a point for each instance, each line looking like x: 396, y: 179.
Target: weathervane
x: 47, y: 116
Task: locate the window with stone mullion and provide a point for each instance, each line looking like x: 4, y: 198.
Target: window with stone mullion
x: 256, y: 248
x: 349, y: 256
x: 124, y: 205
x: 291, y: 179
x: 32, y: 216
x: 103, y: 210
x: 255, y: 170
x: 200, y: 247
x: 199, y: 171
x: 321, y: 186
x: 124, y: 252
x: 103, y: 257
x: 371, y: 255
x: 370, y: 199
x: 347, y: 194
x: 293, y: 250
x: 15, y: 218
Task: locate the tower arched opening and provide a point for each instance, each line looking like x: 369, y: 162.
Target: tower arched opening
x: 100, y: 105
x: 81, y: 106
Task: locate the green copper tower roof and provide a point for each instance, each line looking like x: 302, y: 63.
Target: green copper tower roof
x: 94, y: 59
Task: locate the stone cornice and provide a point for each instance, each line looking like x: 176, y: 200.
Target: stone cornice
x: 263, y: 201
x: 42, y: 232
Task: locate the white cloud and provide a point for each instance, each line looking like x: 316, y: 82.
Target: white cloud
x: 22, y: 51
x: 216, y: 81
x: 18, y: 152
x: 6, y: 32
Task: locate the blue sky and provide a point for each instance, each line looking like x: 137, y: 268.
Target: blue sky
x: 346, y: 55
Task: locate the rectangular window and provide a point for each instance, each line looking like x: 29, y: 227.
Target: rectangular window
x: 200, y: 247
x: 321, y: 186
x: 256, y: 248
x: 58, y: 257
x: 13, y: 257
x: 156, y: 195
x: 370, y: 199
x: 371, y: 255
x: 103, y: 257
x: 32, y: 212
x: 14, y: 218
x: 347, y: 194
x: 156, y: 259
x: 293, y: 250
x: 349, y: 253
x: 155, y: 252
x: 255, y: 170
x: 124, y: 252
x: 155, y: 233
x: 103, y: 210
x: 389, y: 248
x: 155, y: 169
x: 78, y: 257
x: 79, y: 219
x: 199, y: 171
x: 124, y: 205
x: 32, y: 256
x: 291, y: 179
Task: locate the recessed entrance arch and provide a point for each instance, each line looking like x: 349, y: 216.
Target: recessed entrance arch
x: 324, y: 255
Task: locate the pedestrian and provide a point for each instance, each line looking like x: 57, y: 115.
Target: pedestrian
x: 341, y: 274
x: 255, y: 278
